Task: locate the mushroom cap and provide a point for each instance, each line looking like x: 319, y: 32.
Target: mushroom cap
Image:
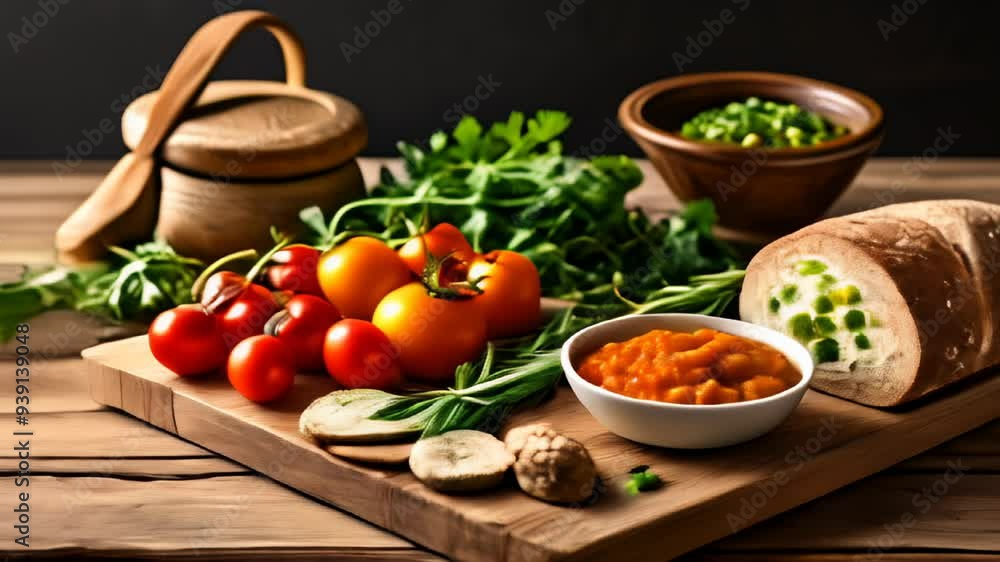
x: 551, y: 466
x: 462, y: 460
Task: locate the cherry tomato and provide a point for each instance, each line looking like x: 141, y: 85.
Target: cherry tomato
x: 302, y: 325
x: 512, y: 292
x: 295, y: 270
x: 440, y: 241
x: 433, y: 335
x: 246, y: 314
x: 261, y: 368
x: 358, y: 273
x: 359, y: 355
x: 187, y: 340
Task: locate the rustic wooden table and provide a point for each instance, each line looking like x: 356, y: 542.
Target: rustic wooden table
x: 105, y: 485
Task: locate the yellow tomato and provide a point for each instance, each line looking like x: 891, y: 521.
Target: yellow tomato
x: 356, y: 275
x: 432, y: 335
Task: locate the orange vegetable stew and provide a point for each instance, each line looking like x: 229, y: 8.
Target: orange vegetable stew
x: 706, y: 367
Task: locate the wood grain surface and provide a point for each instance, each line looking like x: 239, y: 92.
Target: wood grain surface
x: 846, y: 525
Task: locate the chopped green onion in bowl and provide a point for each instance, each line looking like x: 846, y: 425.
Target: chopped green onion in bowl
x: 767, y: 124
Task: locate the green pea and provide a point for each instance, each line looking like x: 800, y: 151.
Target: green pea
x: 810, y: 267
x: 801, y: 327
x: 823, y: 304
x: 789, y: 294
x: 854, y: 320
x: 862, y: 341
x: 824, y: 325
x: 751, y: 140
x: 826, y: 350
x: 825, y: 282
x: 774, y: 305
x: 845, y: 295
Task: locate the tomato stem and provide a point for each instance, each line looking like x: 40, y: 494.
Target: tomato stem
x: 199, y: 283
x: 259, y: 266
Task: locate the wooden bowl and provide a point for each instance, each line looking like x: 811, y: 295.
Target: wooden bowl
x: 761, y: 192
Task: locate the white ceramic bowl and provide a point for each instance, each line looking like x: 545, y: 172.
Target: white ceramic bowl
x: 683, y: 426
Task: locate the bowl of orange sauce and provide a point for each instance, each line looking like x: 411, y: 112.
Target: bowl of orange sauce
x: 686, y: 381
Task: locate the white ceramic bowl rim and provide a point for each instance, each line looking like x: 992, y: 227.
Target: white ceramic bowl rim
x: 807, y: 370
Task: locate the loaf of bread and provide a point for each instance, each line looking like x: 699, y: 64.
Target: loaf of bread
x: 894, y: 302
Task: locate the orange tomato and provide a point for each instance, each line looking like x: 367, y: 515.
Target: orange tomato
x: 440, y: 241
x: 356, y: 275
x: 512, y: 292
x: 433, y: 335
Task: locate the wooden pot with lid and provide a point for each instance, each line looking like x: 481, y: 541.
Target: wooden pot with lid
x: 232, y: 160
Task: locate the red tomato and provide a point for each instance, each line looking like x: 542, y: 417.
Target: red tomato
x: 187, y: 340
x: 512, y: 292
x: 295, y: 270
x: 303, y: 326
x: 359, y: 355
x: 433, y: 335
x: 261, y: 368
x: 246, y: 314
x: 440, y: 241
x: 358, y: 273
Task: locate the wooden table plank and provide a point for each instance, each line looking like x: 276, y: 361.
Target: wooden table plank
x: 259, y: 514
x: 228, y: 517
x: 106, y: 434
x: 891, y: 512
x: 59, y: 385
x: 882, y: 181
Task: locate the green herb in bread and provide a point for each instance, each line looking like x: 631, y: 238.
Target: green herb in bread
x: 894, y: 303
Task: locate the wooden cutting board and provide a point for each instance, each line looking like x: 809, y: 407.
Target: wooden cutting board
x: 827, y: 443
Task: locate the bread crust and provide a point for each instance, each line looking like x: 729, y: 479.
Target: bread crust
x: 919, y: 259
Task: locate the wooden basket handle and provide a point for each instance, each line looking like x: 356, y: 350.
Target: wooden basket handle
x: 190, y: 72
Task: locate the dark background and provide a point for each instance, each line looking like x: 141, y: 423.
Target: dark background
x: 939, y: 69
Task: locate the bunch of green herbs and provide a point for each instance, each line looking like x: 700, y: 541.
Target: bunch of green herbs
x: 510, y: 186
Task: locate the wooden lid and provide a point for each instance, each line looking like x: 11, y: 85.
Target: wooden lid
x: 256, y: 129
